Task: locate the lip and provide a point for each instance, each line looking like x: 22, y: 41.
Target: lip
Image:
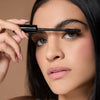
x: 57, y: 72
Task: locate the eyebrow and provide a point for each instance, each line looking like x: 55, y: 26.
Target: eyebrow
x: 69, y: 21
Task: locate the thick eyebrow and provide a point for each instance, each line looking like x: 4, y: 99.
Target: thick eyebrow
x: 68, y: 21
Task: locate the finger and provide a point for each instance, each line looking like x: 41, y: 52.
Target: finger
x: 21, y: 22
x: 17, y: 38
x: 10, y: 41
x: 12, y: 27
x: 25, y: 35
x: 9, y: 51
x: 18, y: 21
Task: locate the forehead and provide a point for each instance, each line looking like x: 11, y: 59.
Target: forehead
x: 54, y: 11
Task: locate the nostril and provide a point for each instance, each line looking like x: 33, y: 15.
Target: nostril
x: 57, y: 57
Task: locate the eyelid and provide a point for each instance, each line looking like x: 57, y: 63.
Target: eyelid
x: 38, y: 36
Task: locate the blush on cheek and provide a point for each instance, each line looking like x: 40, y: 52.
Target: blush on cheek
x: 84, y: 50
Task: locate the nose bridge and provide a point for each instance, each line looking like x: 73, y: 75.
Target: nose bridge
x: 53, y: 46
x: 54, y: 50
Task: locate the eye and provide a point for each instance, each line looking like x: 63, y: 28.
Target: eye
x: 41, y: 42
x: 39, y: 39
x: 71, y: 35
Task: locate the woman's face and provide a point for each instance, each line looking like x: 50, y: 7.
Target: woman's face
x: 66, y: 59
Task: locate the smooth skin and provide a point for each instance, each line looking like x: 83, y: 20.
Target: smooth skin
x: 59, y: 49
x: 9, y: 45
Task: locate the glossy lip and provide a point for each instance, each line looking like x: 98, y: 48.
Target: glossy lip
x: 57, y: 72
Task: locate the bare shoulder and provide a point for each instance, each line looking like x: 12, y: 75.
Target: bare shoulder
x: 23, y: 98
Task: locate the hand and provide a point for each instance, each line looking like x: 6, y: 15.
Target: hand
x: 9, y: 45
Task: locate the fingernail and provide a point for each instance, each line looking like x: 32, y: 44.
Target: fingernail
x: 20, y: 55
x: 19, y: 33
x: 24, y: 34
x: 21, y: 58
x: 24, y: 20
x: 17, y: 60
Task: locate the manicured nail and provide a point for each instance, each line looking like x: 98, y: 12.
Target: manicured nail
x: 17, y: 60
x: 24, y: 20
x: 21, y: 58
x: 24, y: 34
x: 19, y: 33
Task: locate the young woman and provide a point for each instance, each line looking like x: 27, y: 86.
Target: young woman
x: 62, y: 65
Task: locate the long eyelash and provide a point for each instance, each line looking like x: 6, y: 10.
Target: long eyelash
x: 74, y: 31
x: 77, y: 33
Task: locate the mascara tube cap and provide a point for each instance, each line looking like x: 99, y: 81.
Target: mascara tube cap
x: 29, y: 28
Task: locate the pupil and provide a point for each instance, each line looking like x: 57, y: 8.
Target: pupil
x: 43, y: 41
x: 71, y: 34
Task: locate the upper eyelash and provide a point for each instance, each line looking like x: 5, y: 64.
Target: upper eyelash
x: 73, y: 33
x: 35, y: 41
x: 36, y: 37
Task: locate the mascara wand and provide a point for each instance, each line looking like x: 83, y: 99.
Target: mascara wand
x: 34, y: 28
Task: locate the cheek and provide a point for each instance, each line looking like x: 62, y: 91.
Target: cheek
x: 84, y: 51
x: 83, y: 59
x: 40, y: 58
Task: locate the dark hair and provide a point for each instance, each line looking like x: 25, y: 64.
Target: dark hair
x: 37, y: 84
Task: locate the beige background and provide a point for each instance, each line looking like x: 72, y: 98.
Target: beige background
x: 15, y: 83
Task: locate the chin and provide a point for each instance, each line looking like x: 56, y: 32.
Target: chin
x: 61, y: 91
x: 62, y: 88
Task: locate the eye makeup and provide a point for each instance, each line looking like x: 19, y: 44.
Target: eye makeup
x: 40, y: 37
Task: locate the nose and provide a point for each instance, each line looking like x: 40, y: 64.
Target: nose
x: 54, y: 51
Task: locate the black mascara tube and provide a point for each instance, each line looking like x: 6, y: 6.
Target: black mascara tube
x: 29, y: 28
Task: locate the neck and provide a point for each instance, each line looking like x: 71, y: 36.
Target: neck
x: 81, y: 93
